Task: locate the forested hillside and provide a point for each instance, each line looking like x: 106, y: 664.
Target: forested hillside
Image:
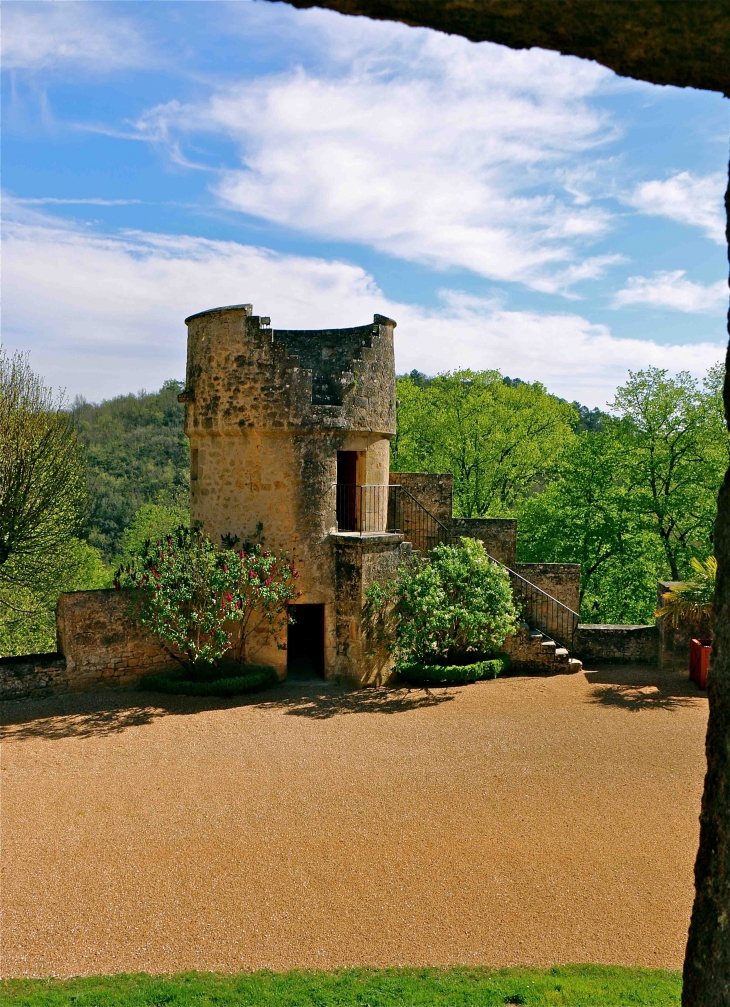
x: 136, y: 454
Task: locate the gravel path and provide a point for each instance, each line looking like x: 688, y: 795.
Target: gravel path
x: 520, y: 821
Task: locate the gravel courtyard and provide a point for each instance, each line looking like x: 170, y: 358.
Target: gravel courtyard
x: 527, y: 820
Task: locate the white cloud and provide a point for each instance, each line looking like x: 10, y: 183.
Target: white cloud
x: 696, y: 200
x: 47, y: 36
x: 104, y: 314
x: 670, y: 289
x: 424, y: 147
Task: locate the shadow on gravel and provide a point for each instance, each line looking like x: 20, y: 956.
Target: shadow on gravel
x: 98, y: 714
x: 642, y: 687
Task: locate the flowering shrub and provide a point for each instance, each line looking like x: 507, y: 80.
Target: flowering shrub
x: 440, y: 611
x: 202, y: 602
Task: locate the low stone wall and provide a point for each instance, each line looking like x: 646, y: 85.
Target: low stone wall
x: 559, y: 580
x: 433, y: 490
x: 527, y: 654
x: 103, y: 645
x: 99, y: 647
x: 32, y: 676
x: 617, y: 644
x: 499, y: 535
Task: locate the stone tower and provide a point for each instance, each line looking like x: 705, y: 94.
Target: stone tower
x: 279, y: 422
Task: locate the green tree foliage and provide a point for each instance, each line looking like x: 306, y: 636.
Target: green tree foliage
x: 152, y: 522
x: 457, y: 603
x: 635, y: 501
x: 136, y: 454
x: 501, y: 440
x: 205, y: 603
x: 675, y: 458
x: 28, y: 623
x: 42, y: 506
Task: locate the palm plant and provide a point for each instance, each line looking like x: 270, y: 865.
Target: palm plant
x: 691, y: 600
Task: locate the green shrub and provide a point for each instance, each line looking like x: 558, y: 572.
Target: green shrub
x: 453, y: 674
x: 454, y: 606
x: 208, y: 682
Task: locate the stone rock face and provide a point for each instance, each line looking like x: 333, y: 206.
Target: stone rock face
x: 676, y: 42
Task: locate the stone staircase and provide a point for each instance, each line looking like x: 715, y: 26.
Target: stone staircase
x: 531, y: 650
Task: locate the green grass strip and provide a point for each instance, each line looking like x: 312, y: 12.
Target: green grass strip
x: 567, y: 985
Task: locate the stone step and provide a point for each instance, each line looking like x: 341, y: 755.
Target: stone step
x: 574, y: 664
x: 562, y: 655
x: 548, y: 646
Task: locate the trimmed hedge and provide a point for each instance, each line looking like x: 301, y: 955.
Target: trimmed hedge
x: 179, y: 683
x: 453, y: 674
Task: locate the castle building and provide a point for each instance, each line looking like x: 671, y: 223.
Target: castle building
x: 291, y: 429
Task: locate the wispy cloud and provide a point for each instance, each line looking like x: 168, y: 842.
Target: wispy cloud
x: 696, y: 200
x: 51, y: 36
x: 99, y: 310
x: 86, y: 201
x: 671, y: 289
x: 428, y: 148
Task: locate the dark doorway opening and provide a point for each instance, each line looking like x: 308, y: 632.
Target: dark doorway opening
x: 348, y: 510
x: 305, y: 641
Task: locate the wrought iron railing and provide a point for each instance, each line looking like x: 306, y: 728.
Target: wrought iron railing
x: 540, y: 610
x: 372, y: 509
x: 369, y: 509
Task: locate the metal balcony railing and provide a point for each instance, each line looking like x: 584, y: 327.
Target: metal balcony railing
x: 369, y: 509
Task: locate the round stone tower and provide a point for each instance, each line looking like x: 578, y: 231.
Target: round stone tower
x: 290, y: 429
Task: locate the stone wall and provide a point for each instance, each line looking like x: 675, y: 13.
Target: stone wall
x: 361, y: 658
x: 618, y: 644
x: 559, y: 580
x: 433, y: 490
x: 32, y: 675
x: 499, y: 535
x: 103, y: 645
x: 99, y: 647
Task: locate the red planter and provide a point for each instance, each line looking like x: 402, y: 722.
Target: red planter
x: 699, y: 661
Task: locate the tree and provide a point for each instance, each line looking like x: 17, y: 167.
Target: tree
x: 137, y: 454
x: 501, y: 441
x: 676, y: 452
x: 152, y: 522
x: 42, y: 491
x: 586, y: 515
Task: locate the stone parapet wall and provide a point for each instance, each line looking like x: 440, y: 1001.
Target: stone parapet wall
x: 103, y: 645
x: 359, y: 562
x: 499, y: 535
x: 32, y: 676
x: 433, y: 490
x: 618, y: 644
x: 242, y: 375
x: 560, y: 580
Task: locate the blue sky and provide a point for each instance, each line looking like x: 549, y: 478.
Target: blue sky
x: 520, y: 210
